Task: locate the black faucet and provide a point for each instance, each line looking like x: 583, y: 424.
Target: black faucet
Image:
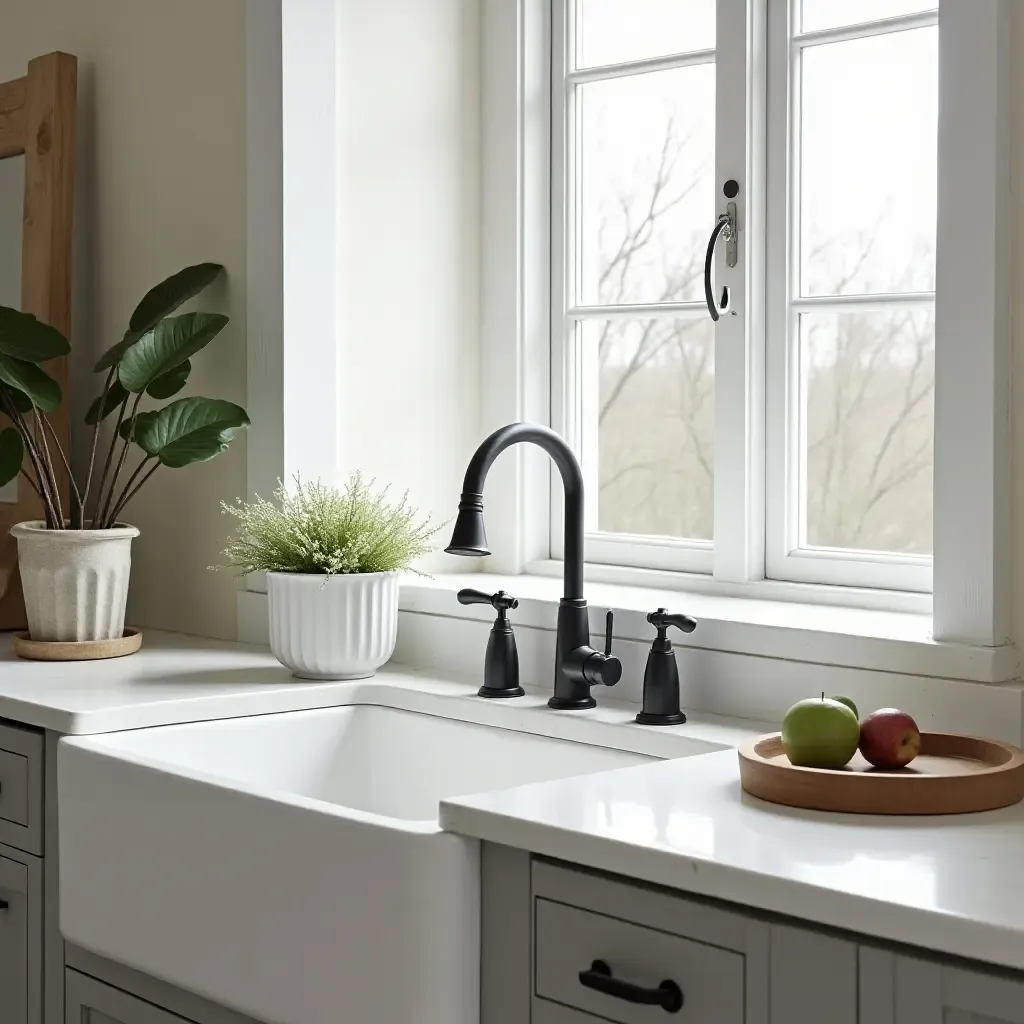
x: 577, y: 665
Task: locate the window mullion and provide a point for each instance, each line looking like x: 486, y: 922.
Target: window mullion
x: 739, y: 337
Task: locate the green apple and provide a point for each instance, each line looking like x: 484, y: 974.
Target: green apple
x: 820, y: 733
x: 848, y: 701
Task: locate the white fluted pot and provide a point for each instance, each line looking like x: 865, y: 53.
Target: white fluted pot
x: 333, y: 627
x: 75, y: 582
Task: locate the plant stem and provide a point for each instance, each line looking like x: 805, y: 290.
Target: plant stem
x: 109, y: 459
x: 42, y: 489
x: 30, y: 482
x: 95, y: 440
x: 78, y: 508
x: 138, y: 487
x: 122, y: 498
x: 105, y: 514
x: 41, y: 436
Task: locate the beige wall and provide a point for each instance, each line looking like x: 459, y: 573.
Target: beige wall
x: 161, y: 184
x: 1017, y: 364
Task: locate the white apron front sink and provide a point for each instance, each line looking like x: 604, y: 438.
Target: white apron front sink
x: 291, y: 865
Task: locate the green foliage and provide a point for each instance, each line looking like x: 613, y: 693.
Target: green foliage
x: 22, y: 336
x: 106, y: 403
x: 319, y: 530
x: 171, y: 382
x: 153, y: 358
x: 159, y: 302
x: 37, y: 385
x: 12, y: 451
x: 166, y: 347
x: 189, y: 430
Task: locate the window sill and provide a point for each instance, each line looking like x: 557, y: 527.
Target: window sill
x: 857, y: 638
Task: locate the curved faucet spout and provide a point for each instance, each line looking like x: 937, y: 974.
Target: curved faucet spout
x: 469, y: 537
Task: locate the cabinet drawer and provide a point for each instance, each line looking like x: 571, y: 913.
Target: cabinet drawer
x: 89, y: 1001
x: 577, y: 953
x: 21, y: 789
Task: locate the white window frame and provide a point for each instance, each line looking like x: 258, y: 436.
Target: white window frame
x: 785, y: 558
x: 736, y: 555
x: 971, y: 586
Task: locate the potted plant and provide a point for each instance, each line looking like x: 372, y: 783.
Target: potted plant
x: 333, y: 560
x: 75, y: 562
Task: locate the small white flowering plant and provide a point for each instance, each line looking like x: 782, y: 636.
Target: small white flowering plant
x: 319, y: 530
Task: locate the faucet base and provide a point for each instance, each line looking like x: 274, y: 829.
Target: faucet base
x: 656, y: 718
x: 572, y: 704
x: 496, y: 693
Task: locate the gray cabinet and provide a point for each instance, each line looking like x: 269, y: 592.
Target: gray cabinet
x: 88, y: 1001
x: 21, y: 942
x: 928, y: 991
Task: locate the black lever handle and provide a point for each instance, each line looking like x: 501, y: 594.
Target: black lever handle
x: 501, y: 601
x: 662, y: 620
x: 609, y: 620
x: 723, y: 224
x: 668, y: 995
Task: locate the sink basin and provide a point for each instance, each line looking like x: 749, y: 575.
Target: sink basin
x: 291, y: 865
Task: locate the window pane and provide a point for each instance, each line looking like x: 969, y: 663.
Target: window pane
x: 833, y: 13
x: 869, y: 113
x: 613, y: 31
x: 655, y: 425
x: 868, y: 381
x: 645, y: 187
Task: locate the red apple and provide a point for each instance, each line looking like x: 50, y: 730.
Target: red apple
x: 889, y: 738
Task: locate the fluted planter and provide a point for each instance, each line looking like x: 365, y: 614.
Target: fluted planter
x: 333, y: 627
x: 75, y: 582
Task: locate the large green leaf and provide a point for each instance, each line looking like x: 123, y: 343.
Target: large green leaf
x: 114, y: 397
x: 24, y: 337
x: 171, y: 382
x: 12, y: 451
x: 22, y: 403
x: 189, y: 430
x: 32, y: 381
x: 167, y: 296
x: 112, y: 356
x: 168, y: 345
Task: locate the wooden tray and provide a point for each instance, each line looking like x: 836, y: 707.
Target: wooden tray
x: 85, y: 650
x: 952, y: 775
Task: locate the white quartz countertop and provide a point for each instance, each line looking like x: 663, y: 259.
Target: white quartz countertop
x: 948, y: 884
x: 173, y: 679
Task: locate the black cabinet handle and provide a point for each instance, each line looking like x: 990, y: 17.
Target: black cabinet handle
x: 668, y: 995
x: 4, y: 905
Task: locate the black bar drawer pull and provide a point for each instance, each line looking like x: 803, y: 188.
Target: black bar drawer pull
x: 668, y: 995
x: 4, y: 905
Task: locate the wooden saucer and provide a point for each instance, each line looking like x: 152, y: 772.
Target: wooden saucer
x: 85, y: 650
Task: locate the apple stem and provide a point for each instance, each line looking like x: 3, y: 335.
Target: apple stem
x: 822, y: 694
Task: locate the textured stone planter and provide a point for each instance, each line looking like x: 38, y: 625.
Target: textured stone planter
x: 334, y: 627
x: 75, y: 581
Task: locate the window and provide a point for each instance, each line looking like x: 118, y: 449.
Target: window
x: 794, y: 438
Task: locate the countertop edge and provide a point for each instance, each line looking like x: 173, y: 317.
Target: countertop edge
x: 872, y: 919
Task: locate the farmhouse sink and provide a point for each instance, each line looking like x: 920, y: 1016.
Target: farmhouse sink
x: 291, y: 865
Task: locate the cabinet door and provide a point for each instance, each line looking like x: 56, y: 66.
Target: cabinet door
x: 813, y: 977
x: 930, y: 992
x: 14, y: 966
x: 88, y: 1001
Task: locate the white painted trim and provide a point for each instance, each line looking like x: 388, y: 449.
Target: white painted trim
x: 866, y: 29
x: 739, y: 334
x: 974, y: 287
x: 785, y: 557
x: 291, y: 247
x: 761, y: 590
x: 264, y: 298
x: 669, y: 62
x: 515, y: 327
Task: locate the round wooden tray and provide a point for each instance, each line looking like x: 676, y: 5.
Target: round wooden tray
x: 85, y: 650
x: 952, y: 775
